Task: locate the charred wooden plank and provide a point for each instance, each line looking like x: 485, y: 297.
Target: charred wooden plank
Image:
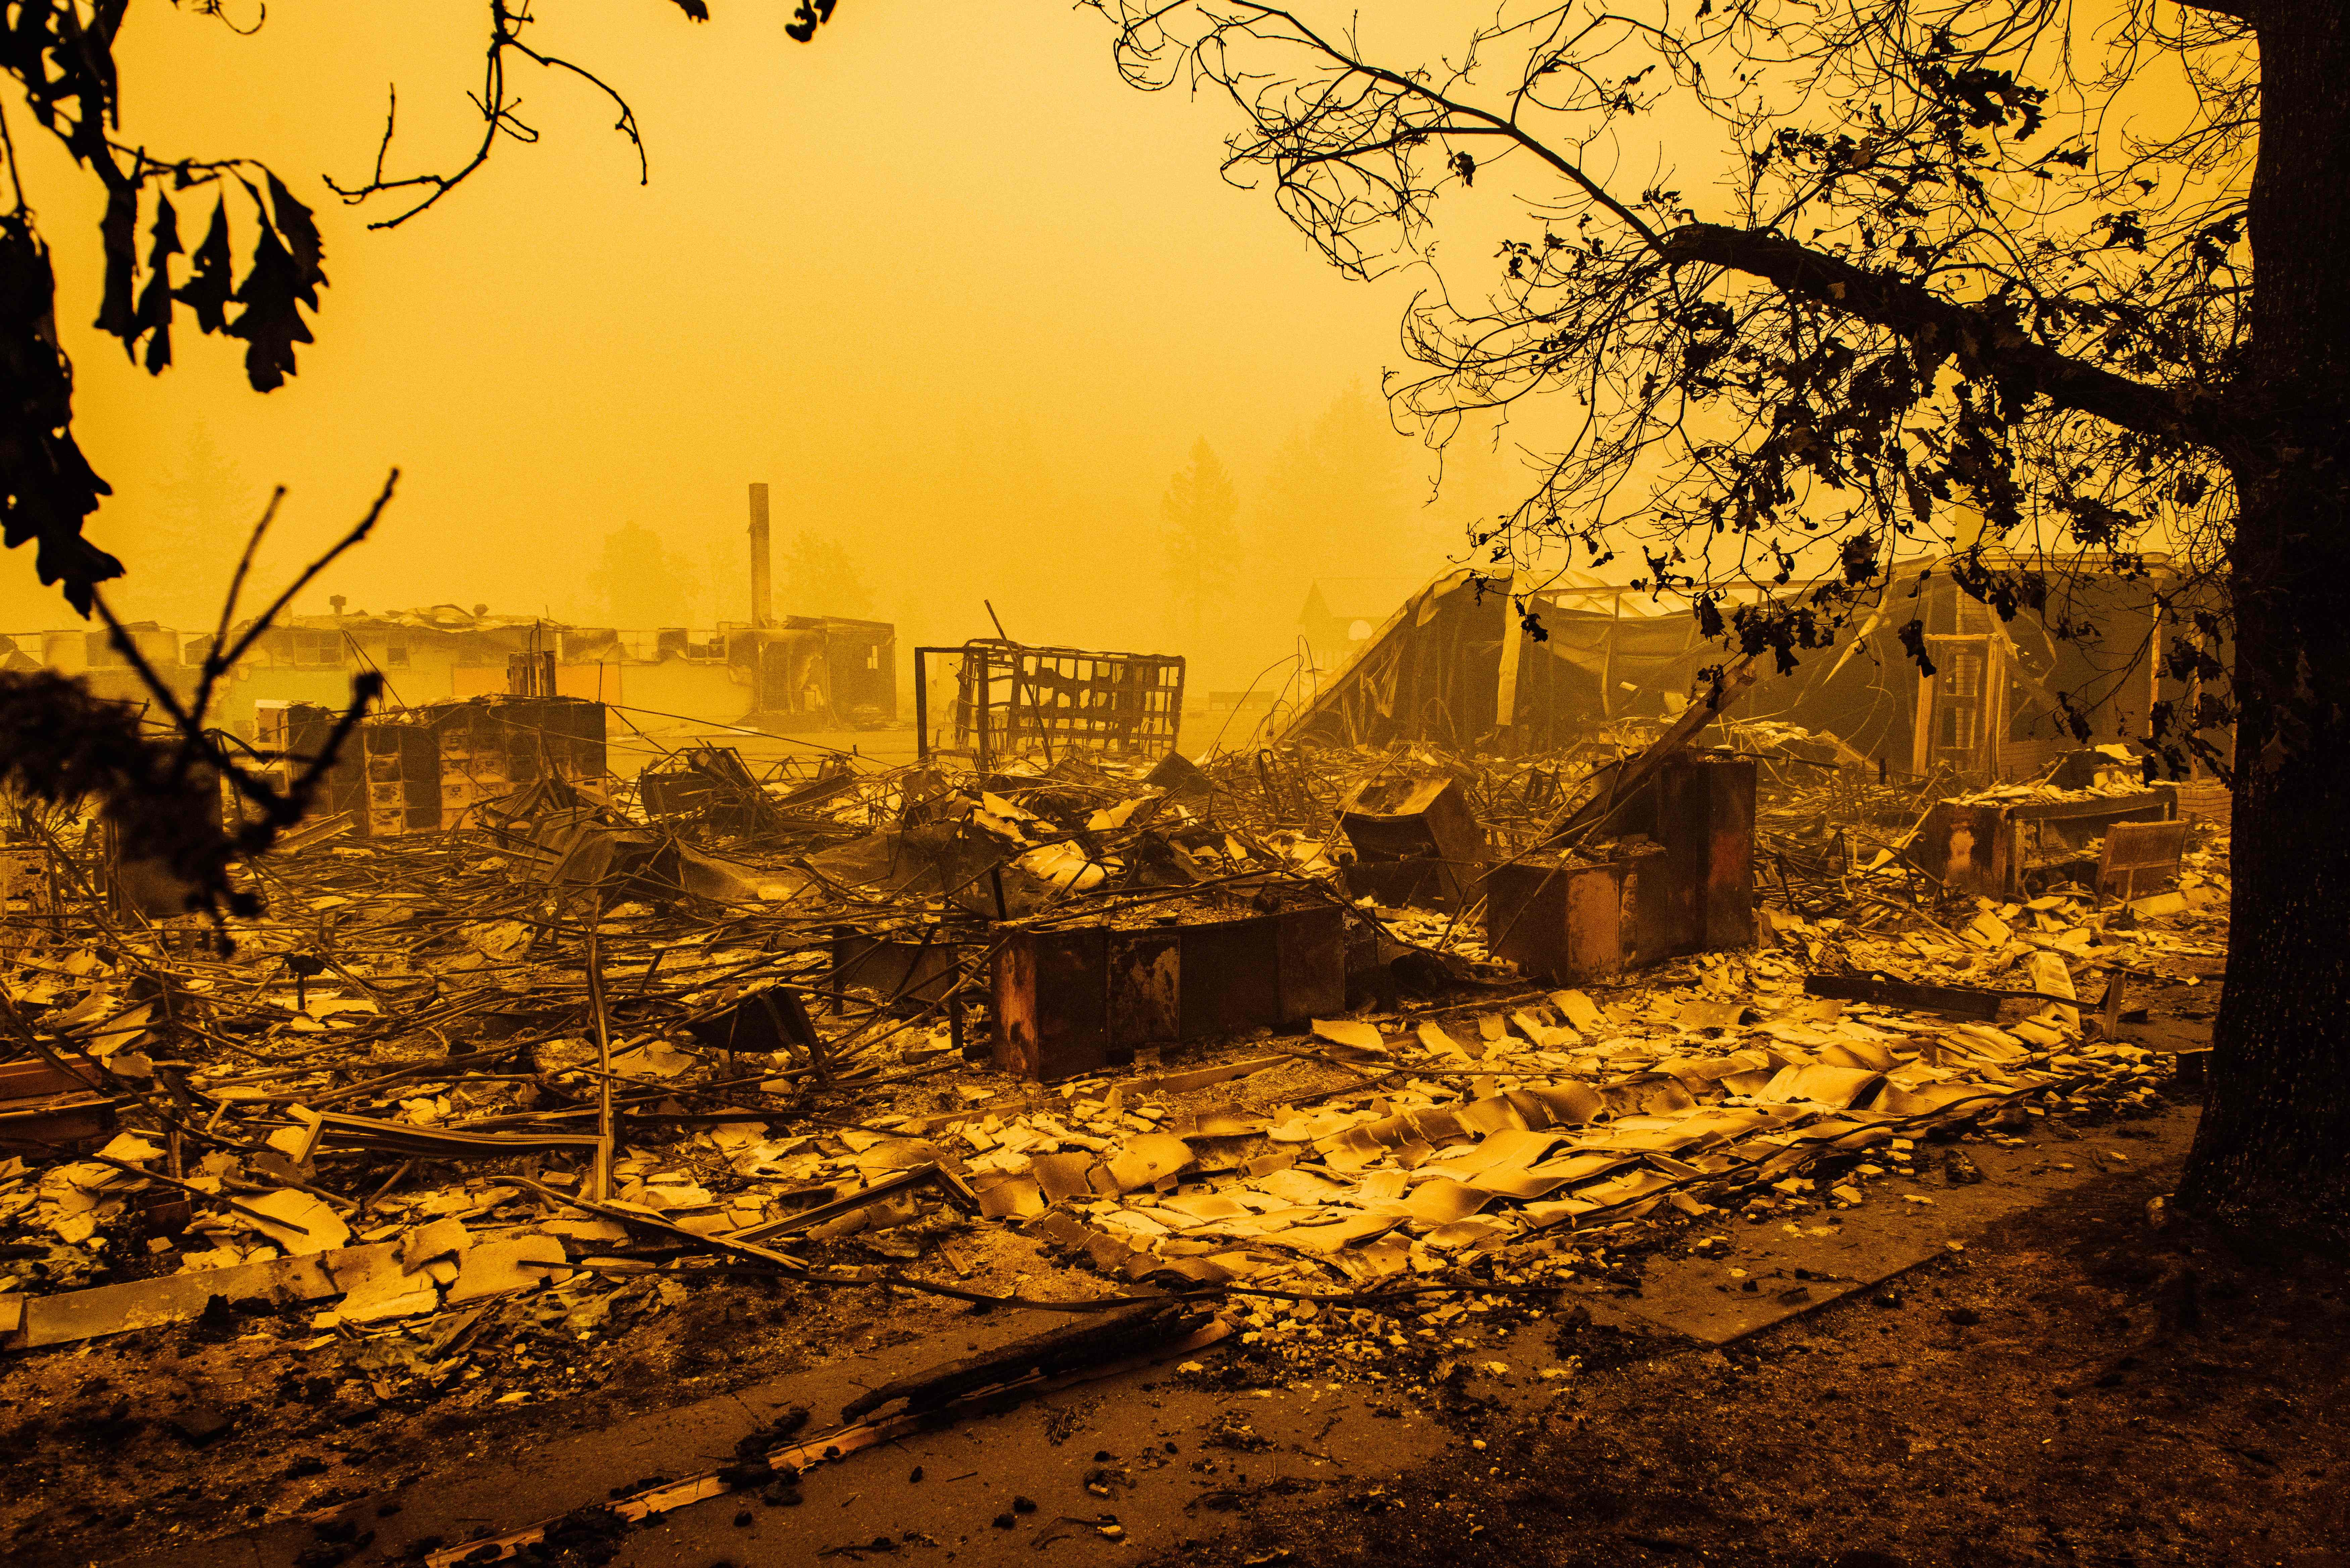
x: 1128, y: 1332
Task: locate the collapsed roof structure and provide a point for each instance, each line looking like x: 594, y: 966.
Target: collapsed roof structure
x: 1453, y: 666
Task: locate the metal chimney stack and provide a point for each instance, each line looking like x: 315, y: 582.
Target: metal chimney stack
x: 762, y: 606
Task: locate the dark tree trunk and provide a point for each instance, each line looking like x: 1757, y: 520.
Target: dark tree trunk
x: 2274, y: 1146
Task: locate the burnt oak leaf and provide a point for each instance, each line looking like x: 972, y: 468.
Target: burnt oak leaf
x: 155, y: 317
x: 301, y: 233
x: 118, y: 241
x: 805, y: 18
x: 208, y: 289
x: 271, y: 322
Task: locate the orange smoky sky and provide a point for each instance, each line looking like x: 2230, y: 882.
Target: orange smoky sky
x: 961, y: 296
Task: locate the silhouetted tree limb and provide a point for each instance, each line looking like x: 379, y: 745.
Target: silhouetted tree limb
x: 160, y: 790
x: 498, y: 108
x: 1987, y: 347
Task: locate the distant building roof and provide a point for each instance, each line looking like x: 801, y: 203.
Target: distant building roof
x: 1357, y: 598
x: 1374, y: 599
x: 450, y: 619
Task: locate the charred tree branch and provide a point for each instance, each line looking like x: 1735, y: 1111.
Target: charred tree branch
x: 1984, y: 346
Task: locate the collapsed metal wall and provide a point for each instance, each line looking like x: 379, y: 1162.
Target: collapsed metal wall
x: 1994, y: 707
x: 1454, y: 667
x: 1013, y: 701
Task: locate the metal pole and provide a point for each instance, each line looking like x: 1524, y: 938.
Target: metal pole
x: 603, y: 1055
x: 922, y: 709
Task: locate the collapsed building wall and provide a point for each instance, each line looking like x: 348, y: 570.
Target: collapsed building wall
x: 431, y: 769
x: 817, y: 672
x: 2003, y: 695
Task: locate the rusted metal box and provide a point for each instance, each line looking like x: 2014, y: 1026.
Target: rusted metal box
x: 1077, y: 999
x: 1705, y: 820
x: 45, y: 1107
x: 1990, y: 847
x: 1577, y: 920
x: 1416, y: 840
x: 1050, y: 992
x: 1680, y: 880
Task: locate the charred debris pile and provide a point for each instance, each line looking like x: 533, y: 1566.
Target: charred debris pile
x: 1336, y: 1044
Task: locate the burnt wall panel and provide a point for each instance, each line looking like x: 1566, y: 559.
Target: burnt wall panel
x: 1145, y: 986
x: 1525, y: 915
x: 1728, y: 896
x: 1229, y: 977
x: 1681, y: 822
x: 1653, y: 921
x: 1311, y: 961
x: 1052, y: 1003
x: 1594, y: 922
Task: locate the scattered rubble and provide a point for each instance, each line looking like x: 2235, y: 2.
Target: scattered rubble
x: 1114, y: 1032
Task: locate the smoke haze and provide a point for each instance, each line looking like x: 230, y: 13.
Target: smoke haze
x: 964, y: 300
